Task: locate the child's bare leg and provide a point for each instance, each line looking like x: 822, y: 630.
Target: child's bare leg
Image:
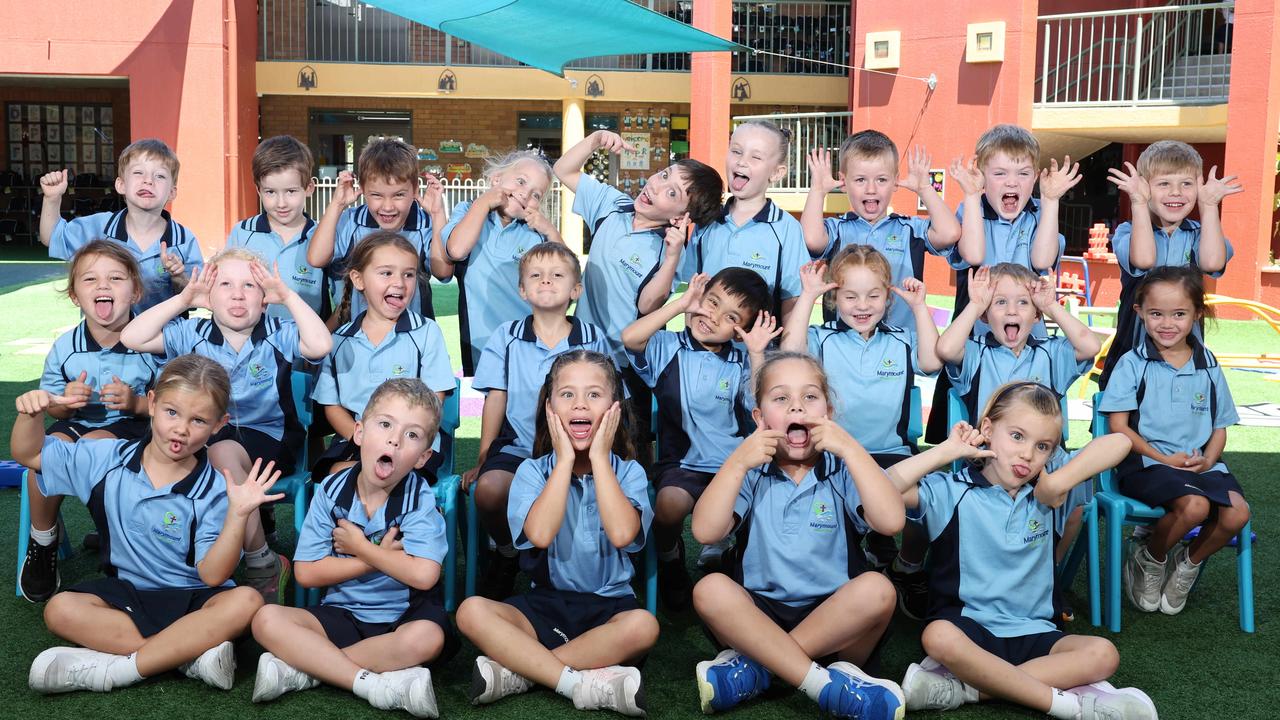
x: 1181, y: 514
x: 1074, y: 660
x: 89, y: 621
x: 670, y: 508
x: 491, y: 491
x: 626, y: 636
x: 850, y: 622
x: 297, y: 637
x: 1226, y: 523
x: 1069, y: 532
x: 503, y: 633
x: 727, y: 608
x: 990, y: 675
x: 230, y: 458
x: 410, y: 645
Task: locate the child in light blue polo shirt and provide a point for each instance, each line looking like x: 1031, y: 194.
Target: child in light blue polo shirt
x: 992, y: 529
x: 486, y: 239
x: 374, y: 538
x: 798, y: 494
x: 511, y: 371
x: 750, y: 231
x: 1163, y: 190
x: 147, y: 178
x: 1168, y: 395
x: 869, y: 175
x: 281, y: 233
x: 171, y: 531
x: 575, y: 512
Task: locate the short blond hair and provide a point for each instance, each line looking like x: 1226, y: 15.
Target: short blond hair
x: 1013, y: 140
x: 236, y: 253
x: 148, y: 147
x: 414, y: 392
x: 867, y: 145
x: 1168, y: 156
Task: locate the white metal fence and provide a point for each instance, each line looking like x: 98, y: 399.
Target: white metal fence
x: 454, y: 193
x: 808, y: 131
x: 1176, y: 54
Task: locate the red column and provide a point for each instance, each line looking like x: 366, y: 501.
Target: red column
x: 709, y: 86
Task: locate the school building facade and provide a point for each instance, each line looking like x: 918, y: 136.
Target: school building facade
x: 1096, y: 79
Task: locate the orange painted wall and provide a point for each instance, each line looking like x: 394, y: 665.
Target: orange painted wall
x: 190, y: 65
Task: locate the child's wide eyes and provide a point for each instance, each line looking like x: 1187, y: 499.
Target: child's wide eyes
x: 412, y: 435
x: 1016, y: 435
x: 1043, y: 447
x: 384, y: 424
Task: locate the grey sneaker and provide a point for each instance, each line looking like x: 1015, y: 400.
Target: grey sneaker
x: 929, y: 686
x: 1182, y: 576
x: 1102, y: 701
x: 277, y: 677
x: 409, y: 690
x: 215, y: 667
x: 490, y: 682
x: 269, y: 581
x: 709, y: 556
x: 611, y: 688
x: 64, y: 669
x: 1143, y: 577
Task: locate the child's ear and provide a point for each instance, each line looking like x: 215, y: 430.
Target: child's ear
x: 226, y: 418
x: 151, y: 403
x: 757, y: 416
x: 310, y: 188
x: 984, y: 428
x: 356, y: 280
x: 576, y: 292
x: 778, y: 173
x: 422, y: 459
x: 357, y: 435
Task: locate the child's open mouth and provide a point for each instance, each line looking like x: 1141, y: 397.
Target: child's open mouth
x: 861, y: 319
x: 384, y: 466
x: 580, y: 428
x: 1021, y: 471
x: 1009, y: 203
x: 871, y: 206
x: 394, y: 300
x: 797, y: 435
x: 1011, y: 331
x: 385, y: 219
x: 176, y: 446
x: 644, y: 199
x: 737, y: 181
x: 103, y: 306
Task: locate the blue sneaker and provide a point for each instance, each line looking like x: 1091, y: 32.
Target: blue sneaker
x: 856, y: 695
x: 730, y: 679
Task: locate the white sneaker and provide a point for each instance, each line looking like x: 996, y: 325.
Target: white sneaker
x: 409, y: 690
x: 929, y: 686
x: 1102, y: 701
x: 490, y: 682
x: 710, y: 555
x: 1182, y: 576
x: 215, y: 667
x: 616, y: 687
x: 1143, y: 577
x: 64, y: 669
x: 277, y: 677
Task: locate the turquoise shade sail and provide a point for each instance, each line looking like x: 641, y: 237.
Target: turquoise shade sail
x: 547, y: 34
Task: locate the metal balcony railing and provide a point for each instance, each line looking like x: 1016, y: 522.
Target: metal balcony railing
x: 348, y: 31
x: 1178, y: 54
x: 455, y: 191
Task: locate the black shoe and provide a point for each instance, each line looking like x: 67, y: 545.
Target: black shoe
x: 92, y: 542
x: 499, y: 579
x: 40, y: 579
x: 881, y: 550
x: 913, y: 592
x: 674, y: 583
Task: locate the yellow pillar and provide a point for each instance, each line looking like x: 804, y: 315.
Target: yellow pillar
x: 572, y: 131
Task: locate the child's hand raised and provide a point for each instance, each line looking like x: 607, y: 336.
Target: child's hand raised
x: 431, y: 195
x: 820, y: 178
x: 911, y: 292
x: 1132, y: 183
x: 54, y: 184
x: 538, y: 222
x: 968, y: 176
x: 200, y: 286
x: 758, y: 449
x: 117, y: 394
x: 172, y: 262
x: 676, y: 236
x: 967, y: 441
x: 828, y: 436
x: 980, y: 287
x: 1056, y: 181
x: 917, y: 178
x: 1044, y: 295
x: 495, y: 198
x: 602, y: 442
x: 345, y: 193
x: 611, y: 141
x: 34, y: 402
x: 561, y: 443
x: 243, y: 498
x: 78, y: 391
x: 812, y: 281
x: 761, y: 334
x: 1212, y: 190
x: 274, y: 291
x: 692, y: 297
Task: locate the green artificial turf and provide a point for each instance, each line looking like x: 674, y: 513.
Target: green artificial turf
x: 1198, y: 664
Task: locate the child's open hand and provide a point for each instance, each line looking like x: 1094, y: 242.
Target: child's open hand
x: 200, y: 286
x: 431, y: 195
x: 1044, y: 294
x: 1131, y: 183
x: 243, y: 498
x: 692, y: 297
x: 172, y: 262
x: 820, y: 178
x: 34, y: 402
x: 828, y: 436
x: 911, y: 292
x: 917, y: 178
x: 673, y: 242
x: 1212, y: 189
x: 968, y: 176
x: 345, y: 193
x: 78, y: 392
x: 1056, y: 181
x: 761, y: 334
x: 561, y: 443
x: 812, y: 281
x: 967, y: 442
x: 980, y: 287
x: 602, y: 442
x: 274, y: 290
x: 611, y: 141
x: 758, y: 449
x: 349, y: 539
x: 117, y: 394
x: 54, y: 184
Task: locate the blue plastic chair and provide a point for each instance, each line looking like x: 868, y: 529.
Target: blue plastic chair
x: 24, y: 533
x: 1118, y: 511
x: 297, y: 487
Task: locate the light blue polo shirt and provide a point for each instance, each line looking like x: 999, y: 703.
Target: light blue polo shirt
x: 357, y: 223
x: 796, y: 540
x: 704, y: 398
x: 872, y: 380
x: 374, y: 597
x: 771, y: 243
x: 1174, y: 409
x: 492, y: 296
x: 902, y: 240
x: 356, y: 367
x: 68, y: 237
x: 152, y: 538
x: 77, y: 351
x: 517, y: 362
x: 290, y: 254
x: 580, y: 558
x: 261, y: 385
x: 621, y: 261
x: 987, y: 365
x: 990, y: 554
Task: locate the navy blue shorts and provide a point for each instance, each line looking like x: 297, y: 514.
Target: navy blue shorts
x: 558, y: 616
x: 258, y: 445
x: 498, y: 460
x: 1160, y: 484
x: 344, y: 629
x: 1013, y: 650
x: 130, y: 428
x: 690, y: 481
x: 785, y: 616
x: 150, y: 610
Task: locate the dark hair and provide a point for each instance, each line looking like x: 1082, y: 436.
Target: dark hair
x: 551, y: 248
x: 388, y: 159
x: 867, y: 144
x: 109, y: 249
x: 750, y: 289
x: 1189, y: 279
x: 623, y: 444
x: 280, y: 153
x: 706, y: 187
x: 360, y: 258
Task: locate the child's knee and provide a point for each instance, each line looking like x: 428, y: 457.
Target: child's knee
x: 671, y: 506
x: 492, y: 490
x: 711, y: 591
x: 639, y: 630
x: 1235, y: 517
x: 1192, y: 508
x: 267, y: 619
x: 471, y: 614
x: 59, y: 611
x: 421, y: 640
x: 243, y: 602
x: 1102, y: 654
x: 873, y: 592
x: 942, y: 641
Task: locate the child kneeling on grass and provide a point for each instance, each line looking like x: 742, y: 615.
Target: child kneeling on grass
x: 374, y: 537
x: 171, y: 529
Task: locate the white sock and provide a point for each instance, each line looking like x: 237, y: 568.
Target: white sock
x: 44, y: 538
x: 507, y: 551
x: 124, y: 671
x: 569, y: 679
x: 970, y: 692
x: 814, y: 680
x: 902, y: 566
x: 1066, y: 706
x: 366, y: 681
x: 263, y: 557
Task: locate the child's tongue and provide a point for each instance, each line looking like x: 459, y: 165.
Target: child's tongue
x: 737, y: 182
x: 383, y: 467
x: 1009, y: 202
x: 797, y: 434
x: 1011, y: 332
x: 103, y: 308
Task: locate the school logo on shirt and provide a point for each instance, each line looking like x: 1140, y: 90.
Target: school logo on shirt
x: 1199, y: 403
x: 169, y: 529
x: 160, y: 268
x: 632, y: 266
x: 258, y: 373
x: 756, y: 262
x: 302, y: 275
x: 722, y: 391
x: 397, y: 370
x: 519, y: 252
x: 890, y: 368
x: 822, y: 517
x: 893, y: 242
x: 1037, y: 533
